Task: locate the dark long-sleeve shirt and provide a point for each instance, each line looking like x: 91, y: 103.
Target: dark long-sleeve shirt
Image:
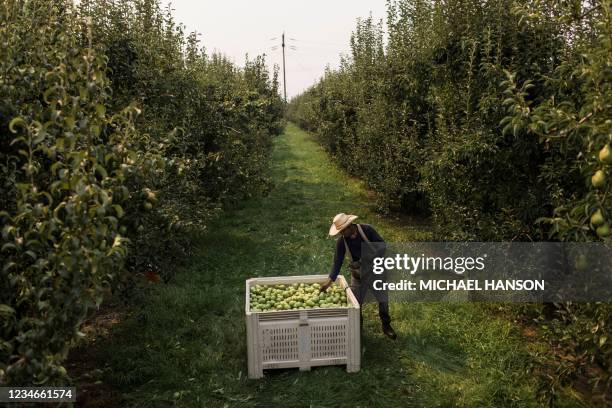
x: 354, y: 246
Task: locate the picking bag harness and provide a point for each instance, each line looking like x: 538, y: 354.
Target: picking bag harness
x: 355, y: 267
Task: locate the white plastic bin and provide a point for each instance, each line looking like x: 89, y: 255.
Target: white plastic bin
x: 302, y: 338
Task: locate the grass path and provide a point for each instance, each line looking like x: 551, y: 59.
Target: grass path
x: 184, y: 344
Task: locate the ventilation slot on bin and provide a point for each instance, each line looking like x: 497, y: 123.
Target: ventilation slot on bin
x: 271, y: 316
x: 280, y: 344
x: 321, y: 313
x: 328, y: 341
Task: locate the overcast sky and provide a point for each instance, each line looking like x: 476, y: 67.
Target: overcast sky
x: 319, y: 30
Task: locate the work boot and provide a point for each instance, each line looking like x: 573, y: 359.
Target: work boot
x: 388, y: 331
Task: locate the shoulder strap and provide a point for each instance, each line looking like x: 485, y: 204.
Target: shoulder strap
x: 348, y: 250
x: 363, y: 235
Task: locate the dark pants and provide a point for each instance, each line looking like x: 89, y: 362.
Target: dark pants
x: 360, y: 288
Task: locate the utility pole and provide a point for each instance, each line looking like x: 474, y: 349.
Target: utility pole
x: 284, y: 74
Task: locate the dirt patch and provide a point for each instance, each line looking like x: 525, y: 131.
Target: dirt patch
x: 529, y: 332
x: 83, y: 365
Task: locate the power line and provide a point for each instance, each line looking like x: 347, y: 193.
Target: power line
x: 323, y: 43
x: 286, y: 42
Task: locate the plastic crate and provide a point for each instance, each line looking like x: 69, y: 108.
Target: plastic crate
x: 302, y: 338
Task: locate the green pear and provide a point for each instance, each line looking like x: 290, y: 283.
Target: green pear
x: 599, y: 179
x: 597, y: 218
x: 605, y: 155
x: 603, y: 231
x: 581, y: 262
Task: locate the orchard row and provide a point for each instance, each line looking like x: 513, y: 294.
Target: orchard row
x: 119, y: 135
x: 492, y: 117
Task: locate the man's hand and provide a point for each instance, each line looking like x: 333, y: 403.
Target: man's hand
x: 326, y: 285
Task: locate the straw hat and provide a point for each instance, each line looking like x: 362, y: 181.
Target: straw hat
x: 341, y: 221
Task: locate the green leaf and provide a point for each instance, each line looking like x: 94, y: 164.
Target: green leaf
x: 70, y: 122
x: 100, y: 170
x: 7, y: 246
x: 507, y: 128
x: 17, y: 122
x: 6, y: 310
x: 40, y: 136
x: 33, y: 243
x: 100, y: 110
x: 8, y: 266
x: 118, y: 210
x: 48, y: 93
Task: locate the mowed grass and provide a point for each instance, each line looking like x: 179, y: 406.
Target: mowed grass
x: 184, y: 344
